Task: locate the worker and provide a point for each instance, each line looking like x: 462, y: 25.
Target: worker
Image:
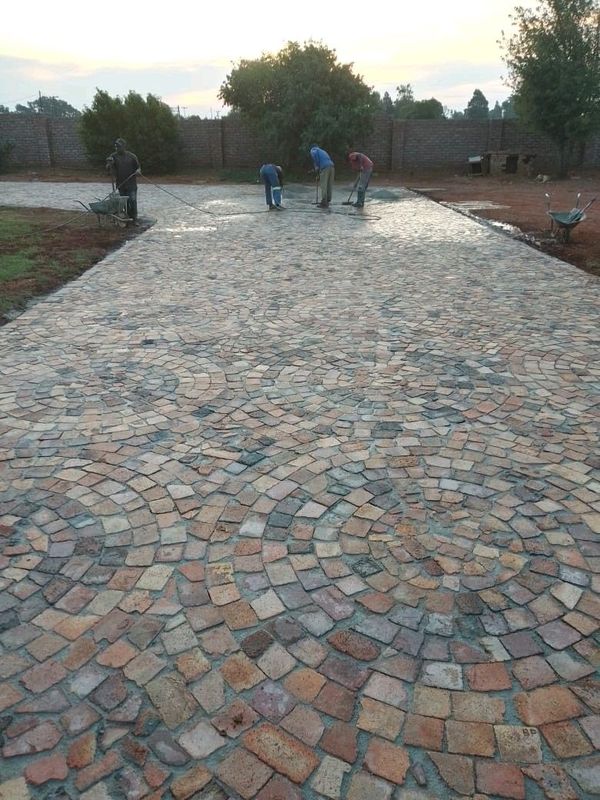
x: 125, y: 167
x: 272, y: 177
x: 325, y: 170
x: 362, y: 164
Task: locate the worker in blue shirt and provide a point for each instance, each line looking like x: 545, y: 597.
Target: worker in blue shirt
x: 272, y: 177
x: 324, y: 167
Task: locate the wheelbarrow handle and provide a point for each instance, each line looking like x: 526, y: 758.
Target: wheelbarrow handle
x: 593, y: 200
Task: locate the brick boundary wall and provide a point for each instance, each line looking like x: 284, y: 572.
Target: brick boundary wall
x: 29, y: 136
x: 65, y: 147
x: 230, y: 143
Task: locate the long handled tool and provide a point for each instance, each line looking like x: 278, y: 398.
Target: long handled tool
x: 316, y: 189
x: 348, y: 202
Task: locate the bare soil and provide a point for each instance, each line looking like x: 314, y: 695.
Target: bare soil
x: 522, y: 203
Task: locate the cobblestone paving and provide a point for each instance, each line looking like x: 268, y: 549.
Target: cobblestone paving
x: 300, y: 506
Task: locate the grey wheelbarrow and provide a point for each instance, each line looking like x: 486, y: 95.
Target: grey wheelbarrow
x: 563, y: 222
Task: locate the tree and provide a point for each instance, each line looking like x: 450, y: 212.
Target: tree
x: 477, y: 107
x: 299, y: 96
x: 387, y: 104
x: 148, y: 126
x: 509, y: 110
x: 406, y: 107
x: 425, y: 109
x: 496, y: 111
x: 50, y: 106
x: 405, y: 99
x: 4, y: 109
x: 457, y: 115
x: 553, y: 60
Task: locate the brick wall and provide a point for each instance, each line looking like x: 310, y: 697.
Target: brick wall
x: 202, y: 142
x: 378, y: 144
x: 400, y: 145
x: 65, y: 146
x: 433, y: 144
x: 242, y: 146
x: 29, y: 135
x: 519, y: 139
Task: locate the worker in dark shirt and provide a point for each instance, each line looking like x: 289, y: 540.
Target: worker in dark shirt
x: 124, y: 167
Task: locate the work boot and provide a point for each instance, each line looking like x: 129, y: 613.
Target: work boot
x: 323, y: 204
x: 271, y: 207
x: 360, y: 199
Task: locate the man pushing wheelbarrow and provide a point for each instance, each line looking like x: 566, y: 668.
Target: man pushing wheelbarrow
x: 125, y: 167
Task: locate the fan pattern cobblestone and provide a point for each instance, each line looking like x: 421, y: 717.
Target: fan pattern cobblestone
x: 301, y: 506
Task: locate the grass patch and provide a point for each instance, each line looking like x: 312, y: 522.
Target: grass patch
x: 14, y: 265
x: 42, y: 249
x: 12, y: 226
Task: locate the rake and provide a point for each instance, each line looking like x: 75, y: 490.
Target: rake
x: 348, y: 202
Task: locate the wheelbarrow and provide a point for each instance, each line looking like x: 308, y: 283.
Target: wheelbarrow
x: 563, y: 222
x: 112, y: 208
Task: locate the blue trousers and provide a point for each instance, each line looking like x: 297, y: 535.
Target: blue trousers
x: 272, y: 187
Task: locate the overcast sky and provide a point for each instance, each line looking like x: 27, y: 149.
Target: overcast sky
x: 183, y: 50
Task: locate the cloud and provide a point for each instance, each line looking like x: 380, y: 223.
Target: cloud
x: 62, y: 30
x: 194, y: 99
x: 194, y: 85
x: 452, y: 84
x: 23, y: 78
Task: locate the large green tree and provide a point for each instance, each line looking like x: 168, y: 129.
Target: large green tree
x: 425, y: 109
x: 299, y: 96
x: 148, y: 126
x: 508, y: 108
x: 496, y: 111
x: 478, y: 107
x: 405, y: 100
x: 404, y: 106
x: 50, y: 106
x: 553, y: 60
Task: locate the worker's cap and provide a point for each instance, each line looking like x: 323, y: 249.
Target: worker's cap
x: 120, y: 142
x: 313, y: 146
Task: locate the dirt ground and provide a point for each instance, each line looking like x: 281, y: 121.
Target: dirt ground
x: 519, y: 201
x: 522, y: 203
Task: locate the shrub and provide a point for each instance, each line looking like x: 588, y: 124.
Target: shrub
x: 148, y: 126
